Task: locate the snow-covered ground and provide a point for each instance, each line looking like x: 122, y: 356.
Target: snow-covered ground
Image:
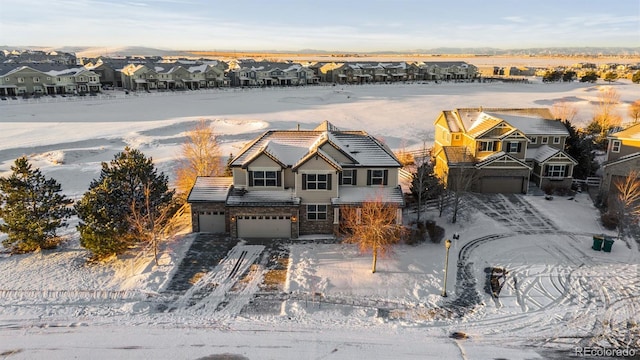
x: 557, y: 294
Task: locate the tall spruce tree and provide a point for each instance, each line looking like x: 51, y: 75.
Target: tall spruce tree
x: 580, y: 147
x: 32, y: 208
x: 106, y: 209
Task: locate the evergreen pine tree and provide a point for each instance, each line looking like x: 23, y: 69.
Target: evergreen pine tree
x: 106, y: 208
x: 32, y: 208
x: 580, y: 147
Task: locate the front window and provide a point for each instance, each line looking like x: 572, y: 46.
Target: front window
x: 487, y: 146
x: 555, y: 170
x: 265, y: 178
x: 377, y: 177
x: 545, y: 140
x: 513, y: 147
x: 615, y: 146
x: 316, y: 181
x: 556, y: 140
x: 534, y: 140
x: 348, y: 177
x: 316, y: 212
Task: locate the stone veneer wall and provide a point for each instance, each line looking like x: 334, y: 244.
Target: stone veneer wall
x: 309, y: 227
x: 196, y: 208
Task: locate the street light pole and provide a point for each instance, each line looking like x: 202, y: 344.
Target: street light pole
x: 447, y: 245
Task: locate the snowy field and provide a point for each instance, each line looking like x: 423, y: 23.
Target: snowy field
x: 558, y: 293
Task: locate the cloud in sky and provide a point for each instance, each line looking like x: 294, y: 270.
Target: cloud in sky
x: 328, y: 25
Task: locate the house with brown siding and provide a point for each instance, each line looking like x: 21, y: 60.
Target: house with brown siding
x: 288, y: 183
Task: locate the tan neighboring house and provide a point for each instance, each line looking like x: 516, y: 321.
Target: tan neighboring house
x: 289, y: 183
x: 502, y: 150
x: 26, y: 80
x: 447, y: 70
x: 172, y: 76
x: 623, y: 155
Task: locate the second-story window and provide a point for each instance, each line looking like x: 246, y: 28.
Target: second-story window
x: 514, y: 147
x: 545, y: 140
x: 348, y: 177
x: 487, y: 146
x: 534, y: 140
x: 377, y: 177
x: 615, y: 146
x: 556, y: 139
x: 316, y: 181
x: 20, y: 79
x: 36, y: 79
x: 264, y: 178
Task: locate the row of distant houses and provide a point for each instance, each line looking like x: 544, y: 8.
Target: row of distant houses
x: 141, y: 75
x: 291, y: 183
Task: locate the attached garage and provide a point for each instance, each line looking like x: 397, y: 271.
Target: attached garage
x: 502, y: 184
x: 207, y: 201
x: 264, y: 226
x: 211, y: 221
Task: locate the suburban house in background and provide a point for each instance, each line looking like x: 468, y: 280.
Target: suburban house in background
x: 501, y: 150
x: 623, y: 155
x: 50, y: 81
x: 289, y: 183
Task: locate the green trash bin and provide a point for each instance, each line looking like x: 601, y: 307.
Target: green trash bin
x: 608, y: 243
x: 597, y: 243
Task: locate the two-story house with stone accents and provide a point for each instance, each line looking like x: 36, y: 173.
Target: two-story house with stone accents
x: 623, y: 155
x: 501, y: 150
x: 288, y: 183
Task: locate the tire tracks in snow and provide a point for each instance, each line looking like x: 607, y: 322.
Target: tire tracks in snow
x: 552, y: 286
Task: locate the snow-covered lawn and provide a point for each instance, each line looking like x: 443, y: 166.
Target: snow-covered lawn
x: 557, y: 294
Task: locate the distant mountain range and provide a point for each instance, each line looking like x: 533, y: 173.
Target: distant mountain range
x: 93, y: 51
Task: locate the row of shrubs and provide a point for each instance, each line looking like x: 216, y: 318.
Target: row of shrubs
x: 423, y: 229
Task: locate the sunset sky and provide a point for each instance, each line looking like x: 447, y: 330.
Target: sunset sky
x: 331, y: 25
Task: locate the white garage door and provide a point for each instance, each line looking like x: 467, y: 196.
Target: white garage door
x: 211, y: 221
x: 264, y: 226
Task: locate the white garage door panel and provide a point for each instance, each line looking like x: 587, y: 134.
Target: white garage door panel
x: 211, y: 221
x: 264, y: 226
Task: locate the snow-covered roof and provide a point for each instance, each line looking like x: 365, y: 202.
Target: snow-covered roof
x: 210, y: 188
x: 353, y: 195
x: 289, y: 147
x: 546, y: 152
x: 632, y: 132
x: 621, y: 159
x: 534, y: 125
x: 542, y: 153
x: 458, y: 154
x: 242, y: 197
x: 531, y: 121
x: 498, y: 156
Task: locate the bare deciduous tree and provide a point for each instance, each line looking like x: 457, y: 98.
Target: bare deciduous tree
x: 420, y: 182
x: 627, y: 200
x: 605, y: 114
x: 460, y: 182
x: 372, y: 227
x: 564, y: 111
x: 200, y: 157
x: 149, y: 225
x: 634, y: 111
